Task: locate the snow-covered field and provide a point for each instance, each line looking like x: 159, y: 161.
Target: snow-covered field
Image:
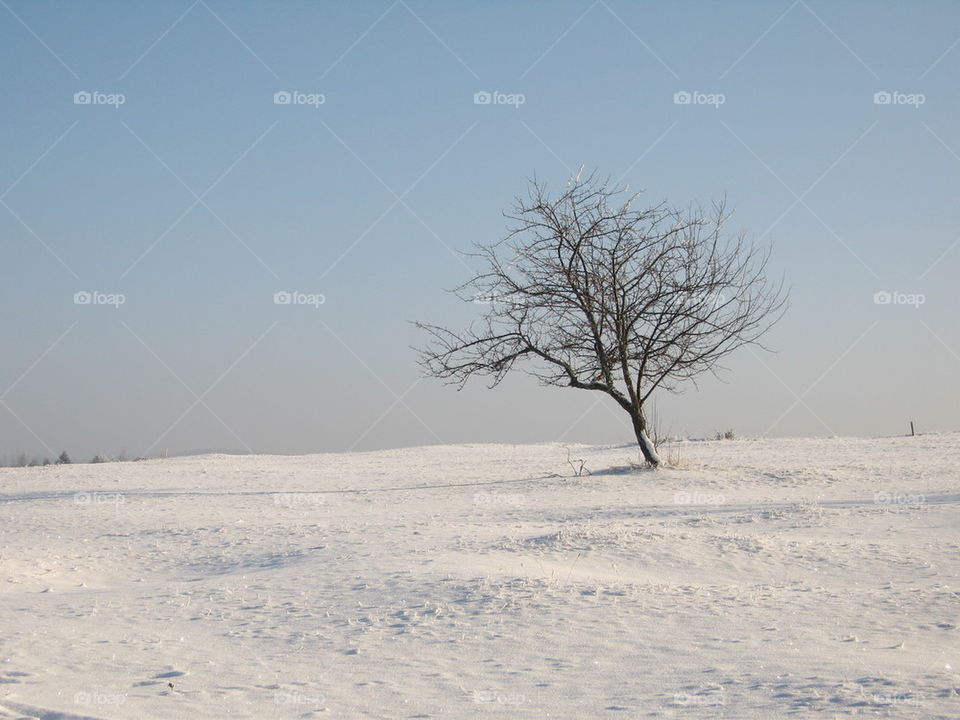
x: 758, y: 579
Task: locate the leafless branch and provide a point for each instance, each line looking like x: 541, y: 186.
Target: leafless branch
x: 595, y: 295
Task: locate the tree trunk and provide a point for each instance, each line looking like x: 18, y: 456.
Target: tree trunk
x: 646, y: 445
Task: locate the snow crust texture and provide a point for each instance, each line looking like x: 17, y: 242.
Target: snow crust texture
x: 753, y: 579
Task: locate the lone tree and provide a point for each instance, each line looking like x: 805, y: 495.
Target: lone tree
x: 596, y: 295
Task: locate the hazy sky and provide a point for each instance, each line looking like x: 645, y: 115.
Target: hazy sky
x: 181, y: 184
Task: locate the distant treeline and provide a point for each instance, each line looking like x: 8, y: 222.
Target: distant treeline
x: 22, y: 460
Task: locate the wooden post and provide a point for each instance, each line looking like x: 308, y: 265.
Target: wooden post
x: 912, y: 433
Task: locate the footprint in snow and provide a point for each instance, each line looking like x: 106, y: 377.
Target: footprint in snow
x: 12, y: 677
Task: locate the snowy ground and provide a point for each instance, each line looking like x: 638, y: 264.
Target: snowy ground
x: 759, y: 579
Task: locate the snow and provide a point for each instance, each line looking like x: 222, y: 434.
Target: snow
x: 647, y: 443
x: 755, y: 579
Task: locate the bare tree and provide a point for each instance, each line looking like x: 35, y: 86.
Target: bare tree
x: 599, y: 296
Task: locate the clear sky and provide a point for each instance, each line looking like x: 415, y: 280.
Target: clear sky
x: 178, y: 185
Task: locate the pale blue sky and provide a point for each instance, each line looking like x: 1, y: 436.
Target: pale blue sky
x: 199, y: 198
